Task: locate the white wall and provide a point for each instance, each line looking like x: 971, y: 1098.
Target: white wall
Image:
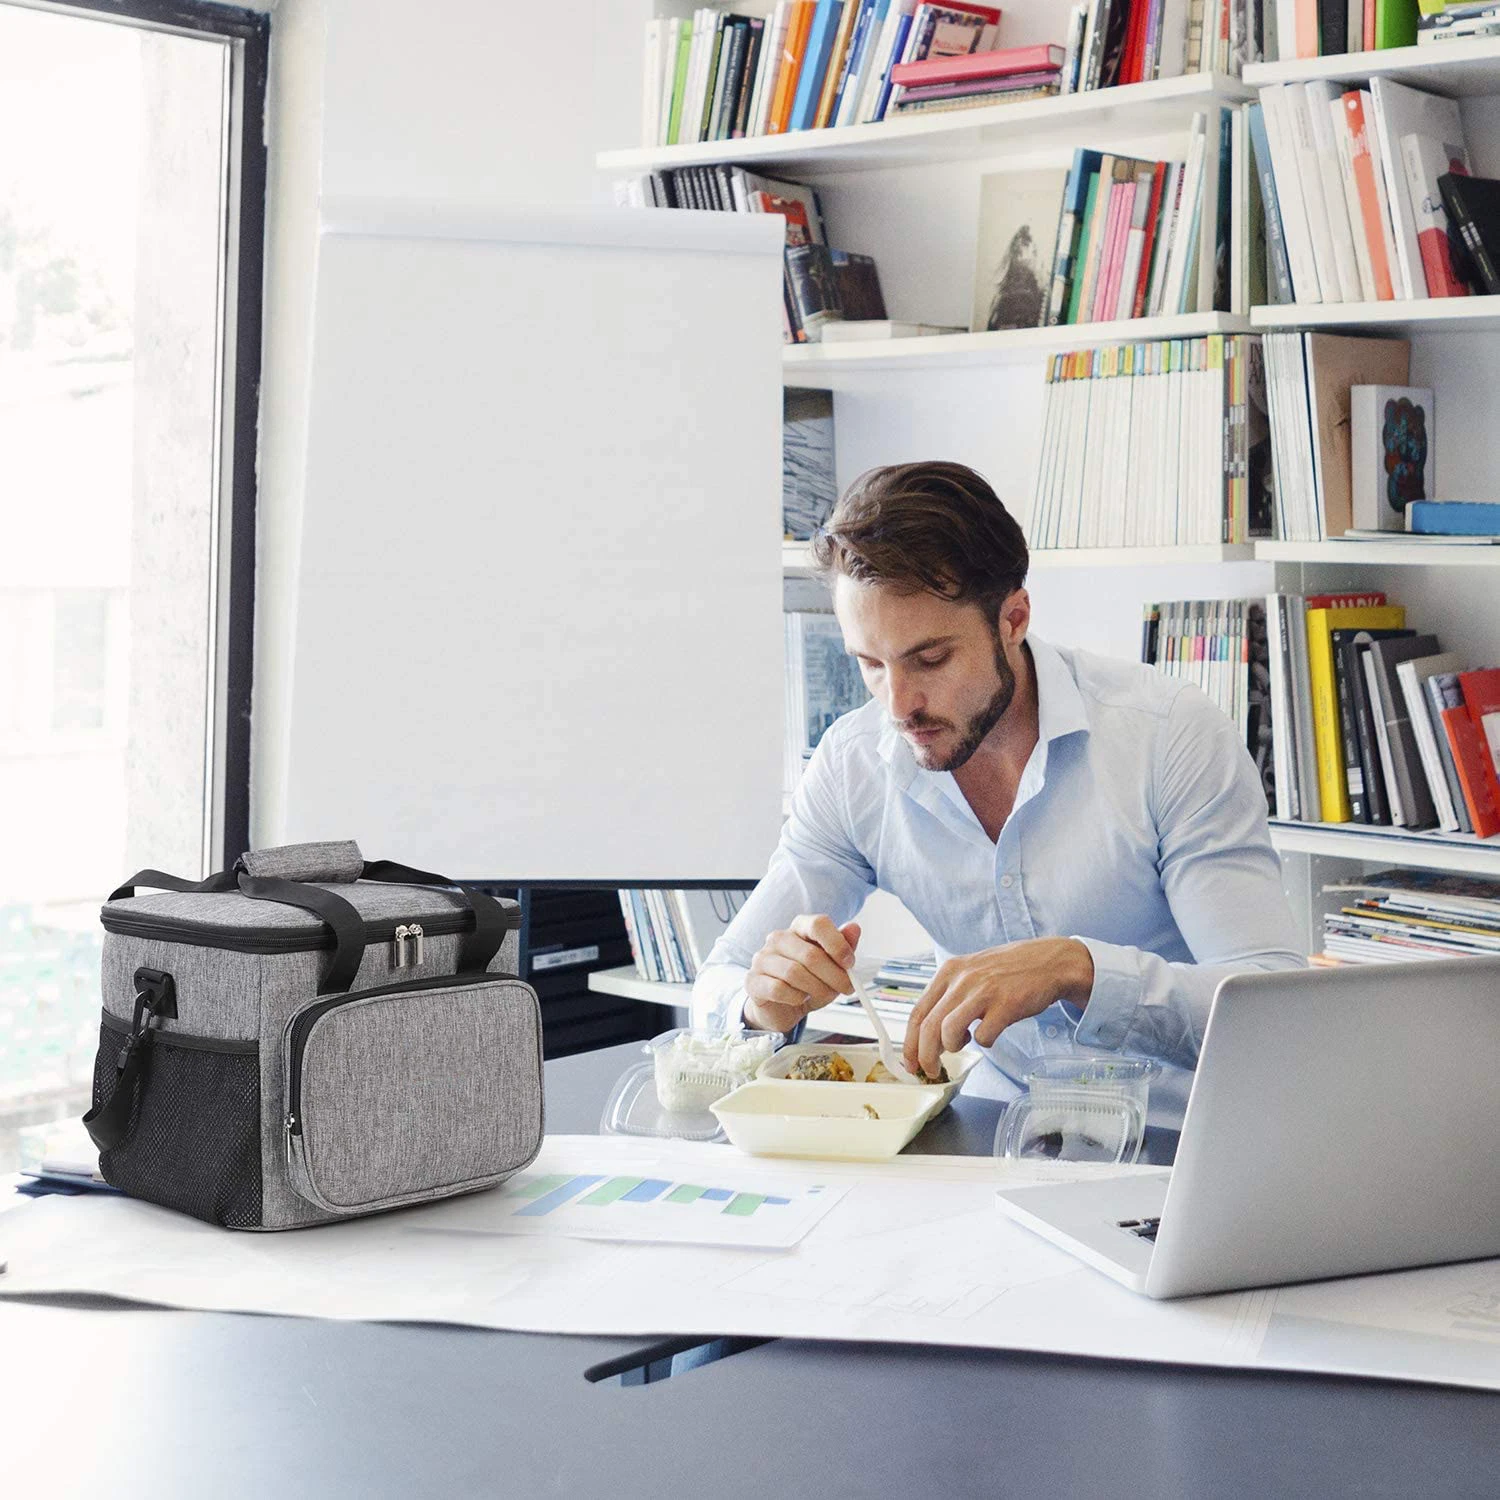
x: 447, y: 102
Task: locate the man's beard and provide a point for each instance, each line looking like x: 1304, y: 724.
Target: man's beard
x: 979, y: 726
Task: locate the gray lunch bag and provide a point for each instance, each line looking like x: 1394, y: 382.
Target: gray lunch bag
x: 307, y: 1037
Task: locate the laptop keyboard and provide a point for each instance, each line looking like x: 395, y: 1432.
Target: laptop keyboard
x: 1144, y: 1229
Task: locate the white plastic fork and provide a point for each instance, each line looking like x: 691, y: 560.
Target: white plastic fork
x: 888, y: 1054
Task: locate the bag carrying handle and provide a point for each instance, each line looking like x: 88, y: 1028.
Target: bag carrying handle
x: 476, y: 951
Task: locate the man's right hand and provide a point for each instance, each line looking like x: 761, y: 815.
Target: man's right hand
x: 801, y: 969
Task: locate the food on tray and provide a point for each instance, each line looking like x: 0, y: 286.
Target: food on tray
x: 822, y: 1067
x: 882, y: 1074
x: 870, y: 1111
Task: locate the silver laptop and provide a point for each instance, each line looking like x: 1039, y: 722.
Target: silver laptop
x: 1340, y: 1121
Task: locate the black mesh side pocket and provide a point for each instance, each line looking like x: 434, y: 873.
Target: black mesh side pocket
x: 194, y: 1142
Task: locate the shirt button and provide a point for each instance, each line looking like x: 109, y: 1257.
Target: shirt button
x: 1052, y: 1031
x: 1007, y: 881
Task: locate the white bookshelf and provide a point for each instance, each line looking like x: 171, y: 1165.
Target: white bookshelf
x: 906, y: 192
x: 1139, y: 108
x: 1394, y: 553
x: 1459, y: 69
x: 627, y: 983
x: 796, y: 557
x: 1402, y: 317
x: 1455, y: 852
x: 810, y: 364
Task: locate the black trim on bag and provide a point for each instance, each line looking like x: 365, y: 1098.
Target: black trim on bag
x: 113, y: 1023
x: 304, y: 1021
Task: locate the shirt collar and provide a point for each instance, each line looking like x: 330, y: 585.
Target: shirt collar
x: 1060, y: 711
x: 1060, y: 707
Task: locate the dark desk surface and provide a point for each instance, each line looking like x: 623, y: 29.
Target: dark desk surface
x: 130, y: 1403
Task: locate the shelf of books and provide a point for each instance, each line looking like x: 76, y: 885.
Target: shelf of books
x: 1458, y: 853
x: 1399, y: 551
x: 1136, y: 108
x: 1406, y: 317
x: 1457, y: 68
x: 803, y: 363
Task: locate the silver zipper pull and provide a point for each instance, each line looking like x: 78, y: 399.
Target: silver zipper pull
x: 403, y: 932
x: 416, y: 936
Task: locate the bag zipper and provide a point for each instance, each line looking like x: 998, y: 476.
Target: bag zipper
x: 269, y: 940
x: 304, y: 1021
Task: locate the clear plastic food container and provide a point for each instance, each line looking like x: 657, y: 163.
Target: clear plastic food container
x: 694, y: 1066
x: 1079, y: 1109
x: 633, y: 1109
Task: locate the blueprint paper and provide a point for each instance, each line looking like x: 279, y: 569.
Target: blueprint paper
x: 914, y: 1251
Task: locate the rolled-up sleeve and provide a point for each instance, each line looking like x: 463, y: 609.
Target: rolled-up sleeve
x: 1222, y: 880
x: 816, y: 869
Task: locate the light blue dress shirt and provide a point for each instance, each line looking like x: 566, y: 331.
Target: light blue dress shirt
x: 1139, y: 827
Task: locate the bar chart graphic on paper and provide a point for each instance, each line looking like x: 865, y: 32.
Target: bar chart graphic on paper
x: 643, y: 1207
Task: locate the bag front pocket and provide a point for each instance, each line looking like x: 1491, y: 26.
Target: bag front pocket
x: 194, y: 1143
x: 412, y: 1091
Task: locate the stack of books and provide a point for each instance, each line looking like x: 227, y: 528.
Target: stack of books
x: 1349, y: 179
x: 1220, y: 645
x: 1398, y: 916
x: 672, y: 932
x: 1437, y: 22
x: 822, y: 683
x: 1376, y: 723
x: 1127, y: 236
x: 1114, y: 42
x: 897, y: 987
x: 814, y: 64
x: 822, y: 285
x: 1325, y: 484
x: 1306, y: 29
x: 808, y: 65
x: 1155, y: 444
x: 976, y: 79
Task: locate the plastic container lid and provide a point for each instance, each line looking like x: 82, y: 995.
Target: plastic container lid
x: 633, y: 1109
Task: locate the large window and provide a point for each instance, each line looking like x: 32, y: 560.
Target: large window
x: 131, y: 221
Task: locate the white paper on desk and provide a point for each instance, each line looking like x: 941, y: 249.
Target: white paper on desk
x: 915, y: 1252
x: 734, y: 1207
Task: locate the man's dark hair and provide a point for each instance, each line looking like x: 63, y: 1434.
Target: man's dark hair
x: 929, y: 527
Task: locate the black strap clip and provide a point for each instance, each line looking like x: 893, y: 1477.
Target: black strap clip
x: 155, y: 1000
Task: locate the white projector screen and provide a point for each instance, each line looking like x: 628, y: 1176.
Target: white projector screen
x: 538, y: 631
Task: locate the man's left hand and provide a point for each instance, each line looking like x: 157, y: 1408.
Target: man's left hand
x: 996, y: 988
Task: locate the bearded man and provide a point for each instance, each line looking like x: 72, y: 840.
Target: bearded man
x: 1083, y: 838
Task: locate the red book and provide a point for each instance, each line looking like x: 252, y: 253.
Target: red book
x: 1369, y: 27
x: 1135, y: 42
x: 1476, y: 771
x: 1153, y: 214
x: 1372, y: 600
x: 1042, y: 58
x: 1482, y: 699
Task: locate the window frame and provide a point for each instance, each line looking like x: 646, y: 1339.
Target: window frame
x: 248, y: 36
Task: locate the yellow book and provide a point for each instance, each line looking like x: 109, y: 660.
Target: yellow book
x: 1328, y: 739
